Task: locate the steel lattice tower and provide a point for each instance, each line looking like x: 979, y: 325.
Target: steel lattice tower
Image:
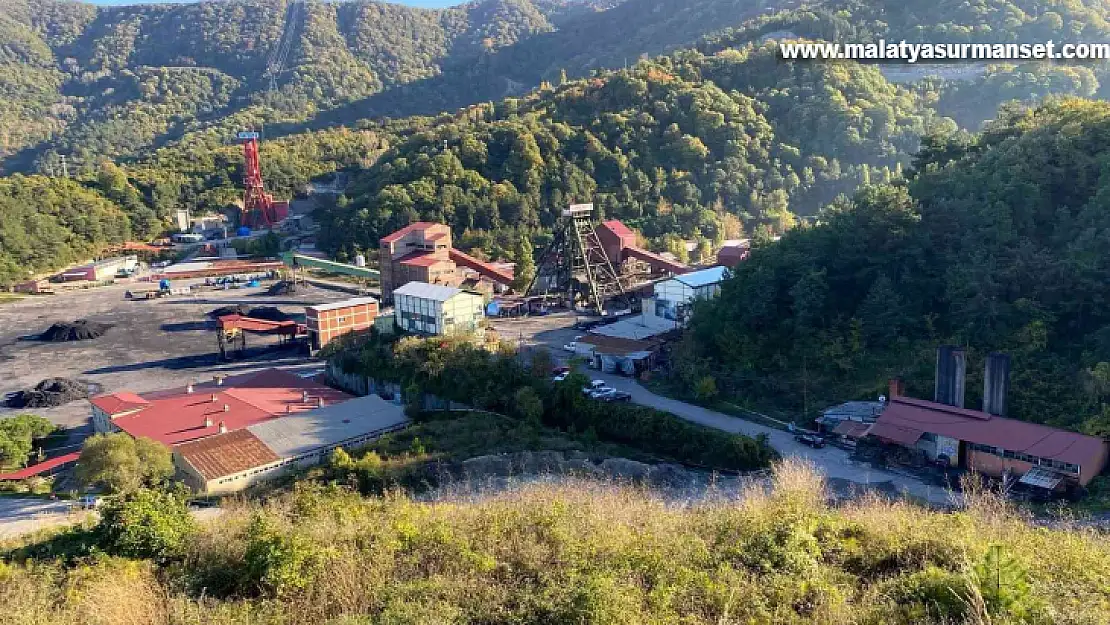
x: 575, y: 263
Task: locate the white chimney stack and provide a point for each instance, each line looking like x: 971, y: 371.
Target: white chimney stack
x: 189, y: 389
x: 214, y: 398
x: 227, y: 408
x: 223, y: 428
x: 208, y: 422
x: 319, y: 402
x: 304, y: 396
x: 219, y: 380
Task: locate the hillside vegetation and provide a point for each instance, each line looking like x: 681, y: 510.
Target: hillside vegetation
x: 996, y: 242
x: 685, y: 145
x: 578, y: 552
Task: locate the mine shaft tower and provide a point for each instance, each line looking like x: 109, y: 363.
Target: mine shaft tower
x: 575, y: 263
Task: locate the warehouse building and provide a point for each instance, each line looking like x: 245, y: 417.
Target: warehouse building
x: 326, y: 322
x: 673, y: 298
x: 230, y: 462
x: 432, y: 309
x: 224, y: 404
x: 985, y: 441
x: 101, y: 270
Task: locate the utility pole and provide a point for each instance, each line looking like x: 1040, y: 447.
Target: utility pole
x: 65, y: 168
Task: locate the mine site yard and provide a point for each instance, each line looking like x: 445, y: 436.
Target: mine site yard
x: 150, y: 344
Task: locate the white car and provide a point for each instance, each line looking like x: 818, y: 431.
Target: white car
x: 594, y: 387
x: 560, y: 377
x: 603, y: 393
x: 571, y: 346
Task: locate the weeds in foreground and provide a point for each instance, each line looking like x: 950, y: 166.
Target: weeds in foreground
x: 589, y: 552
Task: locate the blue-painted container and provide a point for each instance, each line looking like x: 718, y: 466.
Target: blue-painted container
x: 243, y: 231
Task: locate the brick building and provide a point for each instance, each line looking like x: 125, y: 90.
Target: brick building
x: 422, y: 252
x: 327, y: 321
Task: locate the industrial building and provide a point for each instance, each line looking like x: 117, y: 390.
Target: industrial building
x: 422, y: 252
x: 672, y: 299
x: 224, y: 404
x: 617, y: 355
x: 328, y: 321
x: 229, y: 462
x: 101, y: 270
x: 433, y: 309
x: 985, y: 440
x: 667, y: 309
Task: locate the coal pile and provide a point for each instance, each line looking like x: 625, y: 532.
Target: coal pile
x: 269, y: 313
x: 80, y: 330
x: 223, y: 311
x: 49, y: 393
x: 285, y: 287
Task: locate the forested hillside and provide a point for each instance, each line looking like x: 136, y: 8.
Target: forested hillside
x: 997, y: 242
x: 689, y: 145
x: 89, y: 82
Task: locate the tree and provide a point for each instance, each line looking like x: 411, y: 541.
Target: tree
x: 17, y: 436
x: 525, y: 264
x: 527, y: 405
x: 123, y: 464
x: 146, y: 523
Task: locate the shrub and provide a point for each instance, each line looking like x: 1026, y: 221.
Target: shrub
x: 146, y: 524
x: 933, y: 594
x: 278, y: 563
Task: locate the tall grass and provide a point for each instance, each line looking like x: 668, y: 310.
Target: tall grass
x: 585, y: 552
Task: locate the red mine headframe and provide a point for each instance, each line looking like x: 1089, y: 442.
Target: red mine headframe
x: 259, y: 208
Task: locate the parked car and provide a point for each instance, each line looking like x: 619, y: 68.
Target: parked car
x: 571, y: 347
x: 560, y: 370
x: 602, y: 393
x: 617, y: 396
x: 815, y: 441
x: 594, y: 386
x: 561, y: 376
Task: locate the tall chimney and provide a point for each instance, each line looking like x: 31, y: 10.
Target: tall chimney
x: 996, y: 384
x: 950, y: 376
x: 897, y: 388
x: 223, y: 428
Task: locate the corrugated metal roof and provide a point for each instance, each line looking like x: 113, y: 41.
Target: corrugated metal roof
x: 973, y: 426
x: 347, y: 303
x: 413, y: 227
x: 226, y: 454
x: 703, y: 277
x: 423, y: 290
x: 301, y: 433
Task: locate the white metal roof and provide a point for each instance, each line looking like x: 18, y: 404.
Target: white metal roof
x: 423, y: 290
x: 347, y: 303
x: 299, y: 433
x: 637, y: 328
x: 704, y: 277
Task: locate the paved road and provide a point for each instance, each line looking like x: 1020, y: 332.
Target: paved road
x: 832, y: 461
x: 19, y: 516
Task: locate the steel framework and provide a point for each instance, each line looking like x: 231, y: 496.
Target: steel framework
x: 575, y: 263
x: 258, y: 206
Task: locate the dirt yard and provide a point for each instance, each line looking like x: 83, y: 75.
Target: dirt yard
x: 151, y: 345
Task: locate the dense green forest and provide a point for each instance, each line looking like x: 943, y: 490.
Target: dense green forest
x: 701, y: 143
x: 681, y: 145
x: 996, y: 241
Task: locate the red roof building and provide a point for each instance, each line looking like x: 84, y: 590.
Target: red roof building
x: 987, y: 443
x: 226, y: 404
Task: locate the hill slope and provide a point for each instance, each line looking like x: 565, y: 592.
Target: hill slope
x: 89, y: 82
x: 997, y: 242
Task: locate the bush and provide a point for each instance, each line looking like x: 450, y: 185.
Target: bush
x: 17, y: 436
x: 278, y: 563
x: 122, y: 464
x: 933, y: 594
x: 146, y: 524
